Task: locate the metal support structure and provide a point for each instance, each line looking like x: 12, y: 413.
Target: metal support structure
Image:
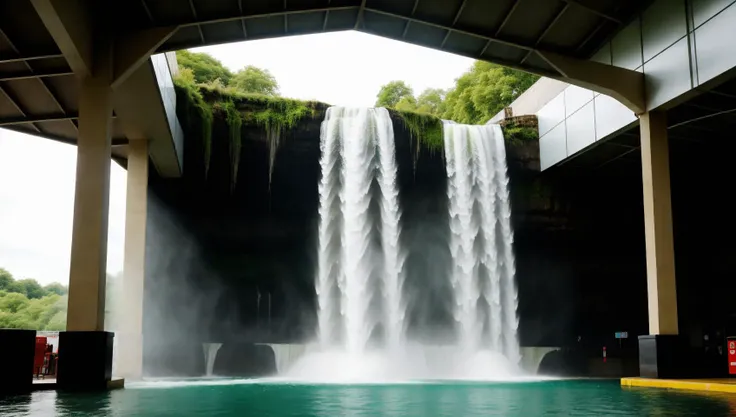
x: 359, y: 19
x: 594, y: 11
x: 546, y: 30
x: 408, y: 22
x: 196, y: 18
x: 454, y: 22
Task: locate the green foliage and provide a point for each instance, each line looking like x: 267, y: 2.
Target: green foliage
x: 55, y: 288
x: 204, y: 67
x: 195, y: 113
x: 24, y: 304
x: 5, y: 279
x: 426, y: 129
x: 31, y: 288
x: 483, y: 91
x: 390, y: 94
x: 431, y: 101
x: 517, y: 135
x: 199, y: 104
x: 255, y: 81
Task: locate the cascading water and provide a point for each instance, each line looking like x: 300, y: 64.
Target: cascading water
x: 358, y: 159
x: 360, y: 273
x: 481, y: 239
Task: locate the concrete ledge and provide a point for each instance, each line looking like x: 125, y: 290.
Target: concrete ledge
x: 115, y: 383
x: 713, y: 385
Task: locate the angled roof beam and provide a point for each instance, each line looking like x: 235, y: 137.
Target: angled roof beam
x: 594, y: 11
x: 456, y: 30
x: 21, y: 58
x: 69, y: 24
x: 11, y: 121
x: 626, y: 86
x: 261, y: 15
x: 133, y: 50
x: 30, y: 74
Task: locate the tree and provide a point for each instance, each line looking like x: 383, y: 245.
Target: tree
x: 483, y: 91
x: 407, y: 103
x: 391, y: 93
x: 256, y: 81
x: 431, y: 101
x: 205, y: 67
x: 31, y: 288
x: 56, y: 288
x: 6, y: 279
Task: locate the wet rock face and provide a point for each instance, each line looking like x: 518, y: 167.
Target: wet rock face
x: 236, y: 263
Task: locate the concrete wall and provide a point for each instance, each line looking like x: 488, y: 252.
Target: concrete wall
x: 681, y: 45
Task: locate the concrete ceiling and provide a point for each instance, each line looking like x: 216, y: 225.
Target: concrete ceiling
x: 39, y: 91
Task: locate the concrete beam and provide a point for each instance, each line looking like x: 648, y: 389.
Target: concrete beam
x: 70, y: 25
x: 624, y: 85
x: 134, y: 49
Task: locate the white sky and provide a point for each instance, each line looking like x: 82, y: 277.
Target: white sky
x: 37, y: 175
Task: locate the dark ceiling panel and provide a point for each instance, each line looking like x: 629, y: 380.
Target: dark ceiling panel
x: 425, y: 35
x: 303, y: 23
x: 503, y: 53
x: 32, y: 97
x: 223, y: 32
x: 464, y: 44
x: 384, y: 25
x: 438, y: 11
x: 530, y: 19
x: 571, y: 29
x: 264, y: 27
x: 484, y: 16
x: 342, y: 19
x: 400, y: 7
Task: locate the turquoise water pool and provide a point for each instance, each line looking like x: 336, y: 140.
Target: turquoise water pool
x: 259, y: 398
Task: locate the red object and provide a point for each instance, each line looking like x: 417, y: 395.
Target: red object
x: 731, y: 351
x: 39, y: 354
x: 604, y: 354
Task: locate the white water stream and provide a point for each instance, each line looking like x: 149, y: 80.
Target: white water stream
x: 361, y: 263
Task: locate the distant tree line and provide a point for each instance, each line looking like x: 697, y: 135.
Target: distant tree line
x: 478, y: 95
x: 25, y: 304
x: 202, y: 68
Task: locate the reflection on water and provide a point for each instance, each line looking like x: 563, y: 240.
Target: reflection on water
x: 259, y: 398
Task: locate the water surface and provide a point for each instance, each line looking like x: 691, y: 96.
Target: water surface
x: 224, y: 397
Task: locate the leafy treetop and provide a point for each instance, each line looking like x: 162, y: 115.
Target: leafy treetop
x: 392, y: 93
x: 255, y: 80
x: 205, y: 68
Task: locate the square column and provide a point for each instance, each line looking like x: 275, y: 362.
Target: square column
x: 85, y: 349
x: 130, y: 353
x: 659, y: 351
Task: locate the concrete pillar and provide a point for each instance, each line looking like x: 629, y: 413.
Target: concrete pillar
x: 85, y: 349
x: 91, y: 203
x: 130, y: 342
x: 662, y: 295
x: 662, y: 353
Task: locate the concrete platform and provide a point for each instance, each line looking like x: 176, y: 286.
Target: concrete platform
x: 712, y: 385
x: 49, y: 384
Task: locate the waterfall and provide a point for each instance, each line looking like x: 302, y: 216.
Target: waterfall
x: 358, y: 173
x: 360, y: 276
x: 210, y: 354
x: 481, y: 240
